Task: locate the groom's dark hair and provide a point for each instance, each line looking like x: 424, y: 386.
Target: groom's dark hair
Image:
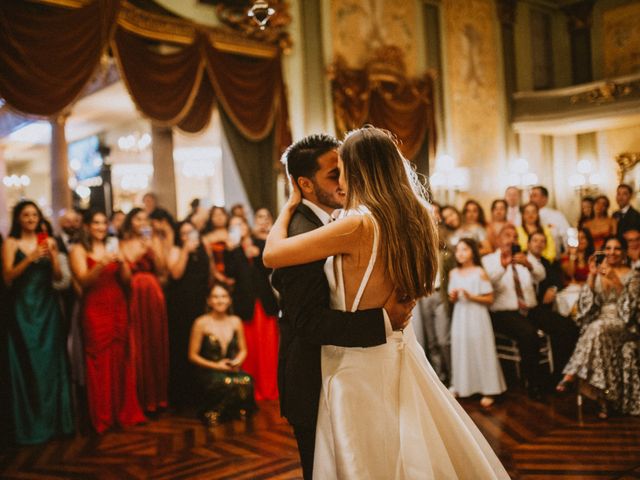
x: 301, y: 158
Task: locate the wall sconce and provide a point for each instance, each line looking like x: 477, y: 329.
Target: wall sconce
x: 134, y: 142
x: 447, y: 179
x: 15, y: 181
x: 519, y: 175
x: 132, y: 177
x: 586, y: 181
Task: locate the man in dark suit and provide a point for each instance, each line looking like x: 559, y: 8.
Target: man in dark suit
x: 628, y: 217
x: 70, y: 223
x: 562, y: 331
x: 306, y: 320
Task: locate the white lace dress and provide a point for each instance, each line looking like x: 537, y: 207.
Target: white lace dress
x: 384, y: 414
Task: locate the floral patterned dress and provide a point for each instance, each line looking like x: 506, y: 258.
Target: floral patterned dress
x: 606, y: 355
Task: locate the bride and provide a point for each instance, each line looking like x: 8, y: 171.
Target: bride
x: 383, y: 411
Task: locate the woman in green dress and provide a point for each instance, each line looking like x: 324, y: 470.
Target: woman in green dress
x: 40, y: 396
x: 217, y: 347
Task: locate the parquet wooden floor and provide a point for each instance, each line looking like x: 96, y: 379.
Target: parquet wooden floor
x: 534, y: 440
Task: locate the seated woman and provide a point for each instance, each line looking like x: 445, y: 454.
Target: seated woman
x: 217, y: 347
x: 606, y: 355
x: 575, y: 262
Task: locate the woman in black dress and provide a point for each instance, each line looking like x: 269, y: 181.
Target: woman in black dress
x: 186, y: 300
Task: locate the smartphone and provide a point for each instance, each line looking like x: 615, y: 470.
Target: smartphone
x: 235, y: 235
x: 515, y: 248
x: 600, y: 256
x: 573, y: 242
x: 193, y: 236
x: 111, y: 245
x: 146, y: 232
x: 42, y: 237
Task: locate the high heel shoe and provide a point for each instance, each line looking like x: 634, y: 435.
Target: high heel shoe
x: 603, y: 413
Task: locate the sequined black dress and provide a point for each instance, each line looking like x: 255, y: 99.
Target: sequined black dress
x: 226, y: 395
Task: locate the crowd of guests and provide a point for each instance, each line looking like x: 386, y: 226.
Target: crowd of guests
x: 526, y: 274
x: 114, y: 320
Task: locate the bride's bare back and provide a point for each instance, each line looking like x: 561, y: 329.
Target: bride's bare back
x: 354, y: 266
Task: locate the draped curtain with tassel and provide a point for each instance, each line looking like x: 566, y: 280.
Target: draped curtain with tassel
x: 382, y: 95
x: 49, y: 53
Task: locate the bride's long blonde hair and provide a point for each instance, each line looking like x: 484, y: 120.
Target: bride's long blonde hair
x: 381, y: 179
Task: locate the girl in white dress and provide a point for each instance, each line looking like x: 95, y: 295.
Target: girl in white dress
x: 384, y: 414
x: 475, y: 364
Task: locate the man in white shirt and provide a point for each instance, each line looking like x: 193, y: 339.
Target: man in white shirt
x: 549, y: 217
x: 627, y: 217
x: 632, y: 237
x: 514, y: 275
x: 514, y: 213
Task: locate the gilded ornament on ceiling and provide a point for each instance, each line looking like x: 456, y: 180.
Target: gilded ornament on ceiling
x: 608, y: 92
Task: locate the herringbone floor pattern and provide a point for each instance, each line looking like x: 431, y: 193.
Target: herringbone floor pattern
x: 534, y: 440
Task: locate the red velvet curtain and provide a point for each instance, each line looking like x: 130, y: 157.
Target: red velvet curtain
x: 249, y: 89
x: 162, y: 85
x: 403, y: 106
x: 49, y: 53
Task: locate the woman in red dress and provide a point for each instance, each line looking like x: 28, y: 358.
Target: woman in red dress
x: 254, y: 302
x: 147, y: 309
x: 111, y: 379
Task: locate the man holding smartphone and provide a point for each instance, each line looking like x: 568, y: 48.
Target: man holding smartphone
x: 513, y: 275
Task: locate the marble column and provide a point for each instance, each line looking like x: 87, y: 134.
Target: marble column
x: 4, y: 200
x: 163, y: 183
x: 60, y: 192
x: 507, y: 17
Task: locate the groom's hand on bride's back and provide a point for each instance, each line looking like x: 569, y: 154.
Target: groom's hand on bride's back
x: 399, y: 309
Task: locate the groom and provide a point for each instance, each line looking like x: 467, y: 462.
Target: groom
x: 307, y: 321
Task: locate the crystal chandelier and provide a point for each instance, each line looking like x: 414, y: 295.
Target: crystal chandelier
x: 261, y: 12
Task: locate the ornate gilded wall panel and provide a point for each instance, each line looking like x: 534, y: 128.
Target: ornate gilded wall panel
x: 622, y: 40
x: 361, y: 26
x: 472, y: 66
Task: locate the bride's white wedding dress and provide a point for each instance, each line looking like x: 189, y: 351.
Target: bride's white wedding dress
x: 384, y: 414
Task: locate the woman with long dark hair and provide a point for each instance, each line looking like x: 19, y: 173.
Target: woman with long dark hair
x: 216, y: 240
x: 189, y: 279
x: 601, y: 225
x: 474, y: 225
x: 383, y: 411
x: 606, y: 355
x: 217, y: 348
x: 40, y: 395
x: 98, y: 266
x: 575, y: 262
x: 147, y: 309
x: 498, y: 220
x: 254, y: 302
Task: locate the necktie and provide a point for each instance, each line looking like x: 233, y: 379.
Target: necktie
x: 522, y: 306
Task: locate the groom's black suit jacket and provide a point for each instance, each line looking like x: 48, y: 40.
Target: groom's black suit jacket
x: 306, y: 323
